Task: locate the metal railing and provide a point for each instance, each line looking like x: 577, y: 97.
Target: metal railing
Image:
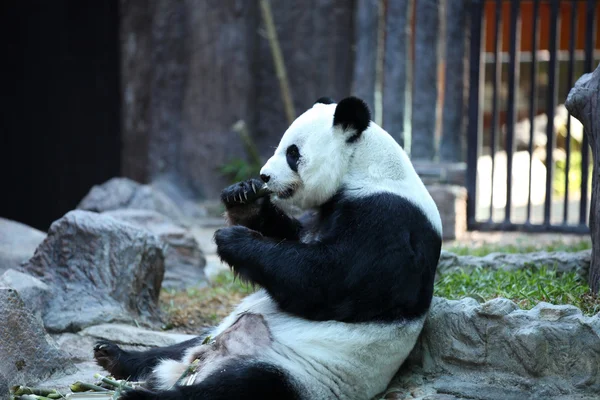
x: 529, y: 94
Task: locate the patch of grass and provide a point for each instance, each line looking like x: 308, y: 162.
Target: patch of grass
x: 485, y: 249
x: 526, y: 287
x: 193, y: 309
x: 560, y: 176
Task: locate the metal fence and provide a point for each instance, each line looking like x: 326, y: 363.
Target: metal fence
x: 512, y: 91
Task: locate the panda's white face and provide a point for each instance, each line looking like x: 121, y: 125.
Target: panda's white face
x: 311, y: 160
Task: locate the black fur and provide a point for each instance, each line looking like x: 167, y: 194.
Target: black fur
x: 239, y: 379
x: 136, y: 365
x: 325, y: 100
x: 292, y: 155
x: 374, y: 260
x: 352, y: 113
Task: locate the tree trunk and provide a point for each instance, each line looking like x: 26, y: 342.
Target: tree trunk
x: 583, y: 103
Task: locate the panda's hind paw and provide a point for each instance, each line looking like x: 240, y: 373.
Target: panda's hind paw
x: 138, y: 394
x: 107, y: 355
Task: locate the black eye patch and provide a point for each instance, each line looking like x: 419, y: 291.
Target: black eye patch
x: 292, y: 156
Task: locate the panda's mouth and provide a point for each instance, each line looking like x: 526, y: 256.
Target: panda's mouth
x: 287, y: 193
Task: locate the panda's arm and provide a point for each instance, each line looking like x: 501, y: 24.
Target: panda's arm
x: 371, y: 264
x: 289, y: 270
x: 245, y: 207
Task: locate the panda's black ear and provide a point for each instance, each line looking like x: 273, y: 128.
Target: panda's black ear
x: 325, y: 100
x: 353, y: 113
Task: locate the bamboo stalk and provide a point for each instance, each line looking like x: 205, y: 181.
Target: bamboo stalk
x: 286, y: 95
x: 242, y: 129
x: 31, y: 397
x: 43, y: 392
x: 114, y: 383
x: 84, y: 387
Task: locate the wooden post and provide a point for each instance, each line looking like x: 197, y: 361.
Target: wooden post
x: 397, y: 70
x: 452, y: 143
x: 425, y: 90
x: 583, y: 103
x: 365, y: 41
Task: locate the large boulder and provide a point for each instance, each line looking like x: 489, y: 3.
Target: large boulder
x: 17, y: 243
x: 578, y: 262
x: 184, y: 261
x: 100, y: 270
x: 495, y: 350
x: 27, y: 354
x: 133, y: 336
x: 33, y: 292
x: 118, y: 193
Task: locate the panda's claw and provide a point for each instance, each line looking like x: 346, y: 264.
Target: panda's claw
x: 241, y: 193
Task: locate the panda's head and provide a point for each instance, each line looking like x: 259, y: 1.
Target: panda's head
x: 314, y: 153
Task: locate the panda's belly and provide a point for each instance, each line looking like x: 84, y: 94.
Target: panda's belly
x: 329, y: 359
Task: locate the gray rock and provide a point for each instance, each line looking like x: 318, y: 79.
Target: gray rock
x: 77, y: 347
x: 451, y: 201
x: 182, y: 195
x: 497, y: 351
x: 184, y: 261
x: 100, y: 270
x: 28, y: 354
x: 17, y: 243
x: 120, y: 193
x: 561, y: 260
x: 4, y: 389
x: 33, y: 292
x: 133, y: 336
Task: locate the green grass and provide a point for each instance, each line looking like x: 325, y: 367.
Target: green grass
x: 196, y: 308
x: 193, y: 309
x: 485, y: 249
x: 560, y: 169
x: 526, y: 287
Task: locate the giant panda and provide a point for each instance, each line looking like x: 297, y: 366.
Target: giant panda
x: 345, y: 288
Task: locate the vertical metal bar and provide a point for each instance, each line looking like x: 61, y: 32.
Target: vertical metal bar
x: 570, y: 74
x: 590, y: 33
x: 495, y: 87
x: 513, y: 78
x: 475, y: 85
x: 535, y: 40
x: 551, y: 105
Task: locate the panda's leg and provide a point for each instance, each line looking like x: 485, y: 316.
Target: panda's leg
x: 247, y: 207
x: 237, y: 379
x: 135, y: 365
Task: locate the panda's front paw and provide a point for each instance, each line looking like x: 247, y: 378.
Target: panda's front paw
x: 236, y: 243
x: 234, y: 240
x: 244, y: 192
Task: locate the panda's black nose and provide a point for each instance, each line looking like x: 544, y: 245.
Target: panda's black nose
x: 265, y: 178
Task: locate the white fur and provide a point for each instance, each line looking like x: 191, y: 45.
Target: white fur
x: 356, y: 360
x: 168, y: 372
